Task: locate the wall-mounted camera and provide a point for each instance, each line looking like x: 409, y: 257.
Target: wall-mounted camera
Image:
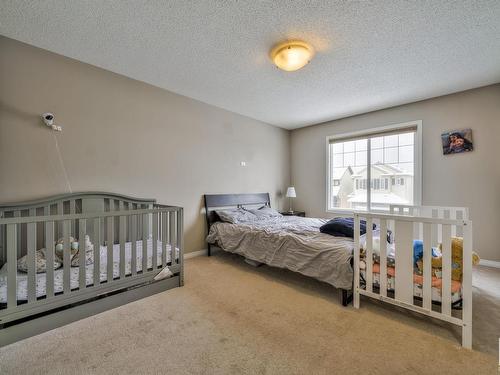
x: 48, y: 119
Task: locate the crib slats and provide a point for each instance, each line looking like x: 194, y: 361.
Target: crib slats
x: 460, y: 229
x: 133, y: 239
x: 11, y: 265
x: 446, y: 271
x: 172, y: 235
x: 434, y: 239
x: 82, y: 254
x: 369, y: 255
x: 180, y: 244
x: 110, y: 238
x: 31, y: 258
x: 155, y: 240
x: 60, y: 223
x: 431, y: 230
x: 66, y: 257
x: 123, y: 232
x: 178, y: 236
x: 427, y: 267
x: 145, y: 234
x: 453, y: 215
x: 127, y: 206
x: 383, y: 258
x: 164, y: 229
x: 49, y: 248
x: 17, y: 213
x: 97, y: 252
x: 72, y: 210
x: 467, y: 286
x: 404, y: 261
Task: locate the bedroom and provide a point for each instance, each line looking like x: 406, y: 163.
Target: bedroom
x: 175, y: 101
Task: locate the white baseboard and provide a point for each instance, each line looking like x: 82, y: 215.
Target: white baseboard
x: 489, y: 263
x: 193, y: 254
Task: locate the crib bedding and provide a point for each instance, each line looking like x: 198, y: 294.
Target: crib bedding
x: 456, y: 286
x: 290, y: 242
x: 75, y: 271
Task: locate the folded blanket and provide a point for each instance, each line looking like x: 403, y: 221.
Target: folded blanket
x: 343, y: 227
x: 418, y: 279
x: 418, y: 251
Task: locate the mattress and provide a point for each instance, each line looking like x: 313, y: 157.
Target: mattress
x: 290, y: 242
x: 41, y: 281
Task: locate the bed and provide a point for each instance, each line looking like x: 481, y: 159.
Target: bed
x: 49, y: 278
x: 290, y: 242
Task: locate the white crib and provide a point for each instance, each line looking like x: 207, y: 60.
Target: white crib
x: 432, y: 225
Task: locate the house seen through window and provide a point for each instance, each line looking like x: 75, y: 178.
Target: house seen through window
x: 359, y: 182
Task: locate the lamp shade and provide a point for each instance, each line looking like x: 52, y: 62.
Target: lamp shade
x: 290, y: 192
x: 291, y: 55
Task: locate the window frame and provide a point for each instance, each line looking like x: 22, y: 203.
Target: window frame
x: 417, y: 159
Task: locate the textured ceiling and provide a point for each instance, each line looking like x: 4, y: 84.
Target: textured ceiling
x: 370, y: 55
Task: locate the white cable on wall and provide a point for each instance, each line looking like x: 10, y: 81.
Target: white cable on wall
x: 48, y: 119
x: 62, y: 163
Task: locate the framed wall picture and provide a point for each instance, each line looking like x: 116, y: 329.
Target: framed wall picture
x: 457, y: 141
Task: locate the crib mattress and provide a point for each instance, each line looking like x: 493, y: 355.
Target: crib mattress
x: 41, y: 279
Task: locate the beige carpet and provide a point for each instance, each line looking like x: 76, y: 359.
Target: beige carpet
x: 231, y: 318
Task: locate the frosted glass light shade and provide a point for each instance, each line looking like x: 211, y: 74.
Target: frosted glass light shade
x: 290, y: 192
x: 291, y: 56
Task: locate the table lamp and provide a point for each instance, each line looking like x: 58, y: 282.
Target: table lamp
x: 290, y: 193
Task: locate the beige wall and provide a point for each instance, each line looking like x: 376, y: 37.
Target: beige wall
x: 471, y: 180
x: 125, y: 136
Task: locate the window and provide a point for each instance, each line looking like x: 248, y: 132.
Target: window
x: 373, y: 170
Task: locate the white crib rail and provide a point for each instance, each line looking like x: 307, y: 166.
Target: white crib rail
x: 405, y: 229
x: 161, y: 223
x: 439, y: 212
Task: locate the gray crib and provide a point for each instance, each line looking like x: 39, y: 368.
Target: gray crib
x: 123, y: 244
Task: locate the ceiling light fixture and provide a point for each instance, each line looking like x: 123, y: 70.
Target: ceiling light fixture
x: 292, y: 55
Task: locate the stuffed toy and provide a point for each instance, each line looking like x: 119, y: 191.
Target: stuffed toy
x: 40, y: 262
x: 59, y: 249
x: 418, y: 251
x: 457, y: 246
x: 75, y: 251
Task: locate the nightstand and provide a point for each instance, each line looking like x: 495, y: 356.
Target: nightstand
x: 294, y: 213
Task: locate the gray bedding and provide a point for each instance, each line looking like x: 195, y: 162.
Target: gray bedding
x: 290, y: 242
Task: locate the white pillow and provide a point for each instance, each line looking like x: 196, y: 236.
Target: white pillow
x: 235, y: 216
x: 376, y: 243
x: 265, y: 212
